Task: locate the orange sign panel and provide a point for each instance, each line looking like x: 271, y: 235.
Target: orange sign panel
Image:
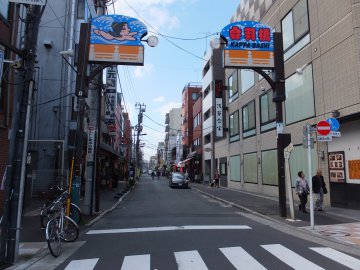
x: 354, y: 169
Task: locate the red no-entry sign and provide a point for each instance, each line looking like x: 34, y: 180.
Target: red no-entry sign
x: 323, y: 128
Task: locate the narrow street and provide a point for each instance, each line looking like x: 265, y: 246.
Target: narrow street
x: 156, y: 227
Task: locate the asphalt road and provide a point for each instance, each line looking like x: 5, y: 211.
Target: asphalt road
x: 156, y: 227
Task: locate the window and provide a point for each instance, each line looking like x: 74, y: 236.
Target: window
x: 235, y: 168
x: 299, y: 162
x: 299, y: 103
x: 223, y: 169
x: 295, y: 28
x: 234, y: 127
x: 233, y: 87
x: 247, y: 80
x: 248, y: 113
x: 197, y: 120
x: 250, y: 168
x: 194, y: 96
x: 80, y: 9
x: 269, y: 167
x: 4, y: 7
x: 267, y: 111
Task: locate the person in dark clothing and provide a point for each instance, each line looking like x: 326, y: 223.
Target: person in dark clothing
x: 302, y: 189
x: 319, y: 188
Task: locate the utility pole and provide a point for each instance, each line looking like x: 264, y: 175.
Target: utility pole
x: 91, y: 182
x: 14, y: 190
x: 142, y: 108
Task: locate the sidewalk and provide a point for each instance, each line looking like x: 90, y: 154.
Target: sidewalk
x: 32, y: 236
x: 340, y: 224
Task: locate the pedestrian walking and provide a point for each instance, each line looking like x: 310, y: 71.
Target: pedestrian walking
x: 319, y: 188
x: 217, y: 178
x: 303, y: 190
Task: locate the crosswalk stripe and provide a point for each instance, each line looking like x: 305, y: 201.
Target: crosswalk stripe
x: 291, y: 258
x: 189, y: 260
x: 172, y: 228
x: 138, y: 262
x: 339, y: 257
x: 87, y: 264
x: 241, y: 259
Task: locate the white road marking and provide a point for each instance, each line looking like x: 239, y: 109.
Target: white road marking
x: 339, y: 257
x: 291, y: 258
x: 138, y: 262
x: 171, y: 228
x: 189, y: 260
x: 87, y: 264
x: 240, y: 259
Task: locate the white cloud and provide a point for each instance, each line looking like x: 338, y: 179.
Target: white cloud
x: 167, y: 107
x: 141, y: 71
x: 159, y: 99
x: 155, y: 12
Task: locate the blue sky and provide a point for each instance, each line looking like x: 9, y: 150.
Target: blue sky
x: 159, y: 83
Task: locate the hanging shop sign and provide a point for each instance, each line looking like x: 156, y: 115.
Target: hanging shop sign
x: 110, y: 95
x: 117, y: 39
x: 248, y: 44
x: 219, y: 126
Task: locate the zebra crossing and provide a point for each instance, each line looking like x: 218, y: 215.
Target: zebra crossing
x: 237, y: 256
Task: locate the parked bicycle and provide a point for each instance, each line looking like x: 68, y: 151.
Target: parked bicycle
x: 60, y: 228
x: 75, y: 212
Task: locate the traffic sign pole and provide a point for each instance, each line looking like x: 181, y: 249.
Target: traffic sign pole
x: 309, y: 176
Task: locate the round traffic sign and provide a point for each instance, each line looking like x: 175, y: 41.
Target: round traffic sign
x: 334, y: 124
x: 323, y: 128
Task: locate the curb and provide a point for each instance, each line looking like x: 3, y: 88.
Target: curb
x: 288, y: 229
x: 102, y: 214
x: 44, y: 251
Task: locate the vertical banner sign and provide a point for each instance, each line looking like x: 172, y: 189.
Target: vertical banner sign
x: 248, y: 44
x: 218, y: 109
x: 91, y: 144
x: 110, y: 99
x: 117, y: 39
x: 1, y: 62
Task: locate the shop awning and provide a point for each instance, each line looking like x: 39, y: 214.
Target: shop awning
x: 109, y: 149
x: 182, y: 163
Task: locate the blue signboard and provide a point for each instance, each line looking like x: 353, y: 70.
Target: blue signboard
x: 248, y: 44
x: 334, y: 124
x: 117, y: 39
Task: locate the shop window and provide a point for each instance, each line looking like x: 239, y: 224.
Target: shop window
x: 247, y: 79
x: 250, y: 168
x: 269, y: 167
x: 295, y: 29
x: 235, y: 168
x: 299, y: 162
x: 299, y: 103
x: 233, y: 87
x: 267, y: 111
x: 80, y: 9
x: 223, y: 170
x: 234, y: 127
x: 248, y: 115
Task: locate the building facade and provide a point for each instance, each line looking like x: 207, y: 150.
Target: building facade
x: 172, y: 129
x: 190, y: 95
x: 321, y: 54
x: 212, y: 71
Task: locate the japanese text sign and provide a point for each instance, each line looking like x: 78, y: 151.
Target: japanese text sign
x: 248, y: 44
x: 110, y: 95
x: 117, y: 39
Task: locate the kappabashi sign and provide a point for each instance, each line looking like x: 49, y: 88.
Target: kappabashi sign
x: 117, y: 39
x: 248, y: 44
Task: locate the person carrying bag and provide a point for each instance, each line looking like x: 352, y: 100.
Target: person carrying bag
x: 303, y: 190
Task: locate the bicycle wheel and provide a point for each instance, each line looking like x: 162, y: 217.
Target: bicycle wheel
x: 70, y: 231
x: 53, y: 238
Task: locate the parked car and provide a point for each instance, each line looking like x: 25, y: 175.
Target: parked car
x: 178, y: 180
